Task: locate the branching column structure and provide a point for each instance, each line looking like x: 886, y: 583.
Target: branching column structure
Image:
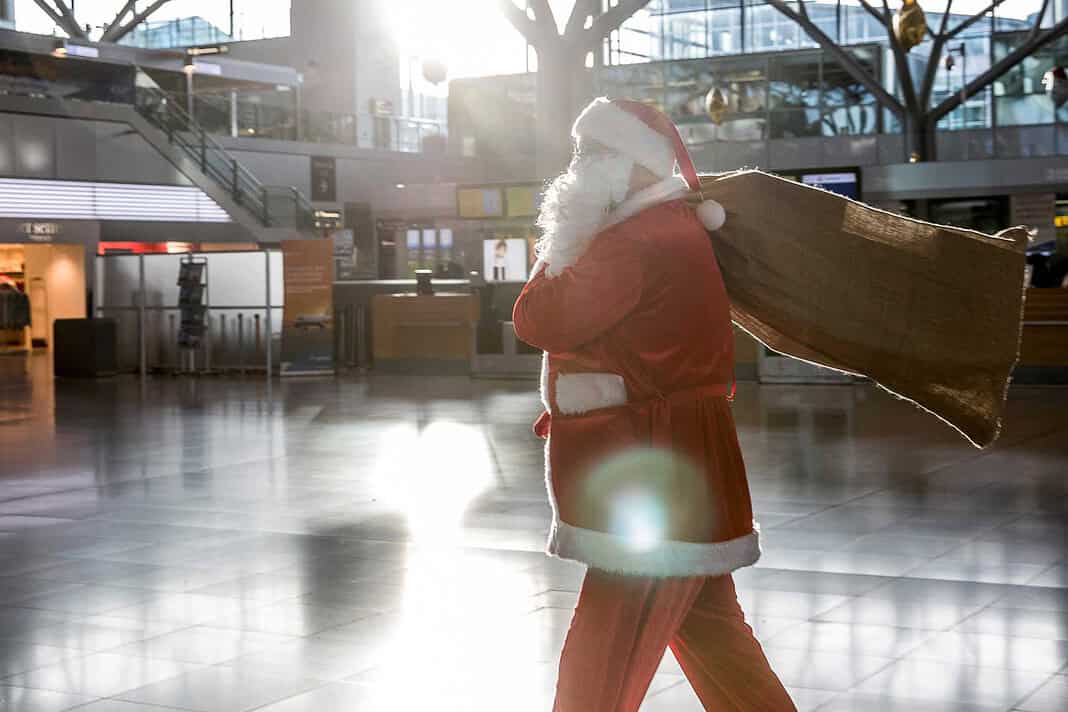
x: 63, y: 16
x: 561, y: 63
x: 918, y: 117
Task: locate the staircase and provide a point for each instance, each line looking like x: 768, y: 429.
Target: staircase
x: 269, y: 206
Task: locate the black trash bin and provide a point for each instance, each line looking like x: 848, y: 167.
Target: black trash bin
x: 85, y: 348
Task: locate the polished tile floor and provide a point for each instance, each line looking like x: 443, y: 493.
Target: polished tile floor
x: 374, y: 544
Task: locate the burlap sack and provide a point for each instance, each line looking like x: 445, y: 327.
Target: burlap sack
x: 930, y: 313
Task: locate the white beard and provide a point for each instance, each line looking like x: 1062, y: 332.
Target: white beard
x: 575, y: 205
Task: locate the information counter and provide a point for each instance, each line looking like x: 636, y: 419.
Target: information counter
x: 424, y: 333
x: 1044, y: 346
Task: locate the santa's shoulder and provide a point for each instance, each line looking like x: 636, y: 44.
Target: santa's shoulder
x: 670, y: 215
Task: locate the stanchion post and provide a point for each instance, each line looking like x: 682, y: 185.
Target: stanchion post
x: 207, y: 318
x: 142, y: 365
x: 270, y: 327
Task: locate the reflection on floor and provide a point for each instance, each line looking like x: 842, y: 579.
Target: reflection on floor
x: 375, y: 545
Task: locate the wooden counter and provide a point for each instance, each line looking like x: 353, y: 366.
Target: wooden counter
x: 1045, y: 331
x: 423, y: 329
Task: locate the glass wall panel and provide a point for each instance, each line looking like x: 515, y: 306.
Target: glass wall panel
x: 1020, y: 97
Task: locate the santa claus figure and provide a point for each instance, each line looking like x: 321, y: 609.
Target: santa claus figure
x: 643, y: 467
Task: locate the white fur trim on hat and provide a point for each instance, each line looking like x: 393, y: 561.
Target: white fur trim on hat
x: 667, y: 558
x: 618, y: 129
x: 712, y: 215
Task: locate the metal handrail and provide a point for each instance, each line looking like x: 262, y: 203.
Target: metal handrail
x: 166, y: 113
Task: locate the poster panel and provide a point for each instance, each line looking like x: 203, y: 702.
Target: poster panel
x: 307, y: 320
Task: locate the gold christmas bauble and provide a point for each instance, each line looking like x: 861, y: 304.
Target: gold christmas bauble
x: 716, y: 106
x: 910, y: 24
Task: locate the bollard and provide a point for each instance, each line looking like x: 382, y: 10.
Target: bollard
x: 173, y: 339
x: 241, y: 342
x: 207, y: 343
x: 256, y: 319
x: 222, y: 336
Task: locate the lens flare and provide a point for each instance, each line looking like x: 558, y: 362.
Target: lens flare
x: 640, y: 494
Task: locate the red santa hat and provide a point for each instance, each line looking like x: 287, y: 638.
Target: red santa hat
x: 649, y: 137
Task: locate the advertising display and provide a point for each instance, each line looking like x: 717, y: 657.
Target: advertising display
x: 307, y: 321
x: 844, y: 183
x: 504, y: 260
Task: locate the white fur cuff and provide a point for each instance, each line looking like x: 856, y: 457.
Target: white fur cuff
x: 578, y: 393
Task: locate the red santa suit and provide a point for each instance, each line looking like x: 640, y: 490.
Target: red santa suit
x: 643, y: 467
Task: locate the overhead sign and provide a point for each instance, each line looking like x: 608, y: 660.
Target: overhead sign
x: 323, y: 179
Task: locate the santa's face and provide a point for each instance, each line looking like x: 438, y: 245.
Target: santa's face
x: 576, y: 204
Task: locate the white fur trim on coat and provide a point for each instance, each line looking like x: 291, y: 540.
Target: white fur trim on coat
x: 578, y: 393
x: 666, y: 558
x: 671, y: 188
x: 622, y: 131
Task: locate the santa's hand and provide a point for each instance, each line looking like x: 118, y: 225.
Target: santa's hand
x: 711, y: 214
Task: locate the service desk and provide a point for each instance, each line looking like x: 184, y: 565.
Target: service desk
x: 1044, y: 346
x: 424, y: 333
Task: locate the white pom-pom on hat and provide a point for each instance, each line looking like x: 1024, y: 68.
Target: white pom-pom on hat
x: 711, y: 214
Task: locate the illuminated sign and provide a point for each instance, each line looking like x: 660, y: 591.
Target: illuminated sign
x: 40, y: 231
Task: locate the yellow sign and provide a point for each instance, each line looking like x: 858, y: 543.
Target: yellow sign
x: 520, y: 200
x: 1061, y: 221
x: 479, y: 202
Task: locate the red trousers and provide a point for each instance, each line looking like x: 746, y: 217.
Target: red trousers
x: 622, y: 626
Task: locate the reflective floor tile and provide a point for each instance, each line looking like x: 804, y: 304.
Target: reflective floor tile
x: 333, y: 696
x: 1051, y: 697
x: 822, y: 670
x: 867, y: 702
x: 1019, y: 623
x: 87, y: 599
x: 222, y: 689
x: 997, y: 651
x: 680, y: 697
x: 899, y: 613
x: 19, y: 656
x: 22, y: 699
x: 944, y: 683
x: 202, y: 644
x: 849, y: 638
x: 99, y: 674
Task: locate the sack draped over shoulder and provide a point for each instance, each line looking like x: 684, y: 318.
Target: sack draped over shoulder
x: 931, y: 313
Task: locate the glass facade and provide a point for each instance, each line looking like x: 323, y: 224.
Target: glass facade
x: 196, y: 22
x: 797, y: 96
x: 179, y: 32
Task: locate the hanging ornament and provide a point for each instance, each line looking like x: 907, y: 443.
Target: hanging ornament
x: 716, y: 106
x: 1056, y: 83
x: 910, y: 25
x: 434, y: 71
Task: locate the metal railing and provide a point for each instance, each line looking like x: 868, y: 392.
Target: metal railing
x: 273, y: 206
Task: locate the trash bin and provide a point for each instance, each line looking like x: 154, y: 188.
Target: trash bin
x: 85, y: 348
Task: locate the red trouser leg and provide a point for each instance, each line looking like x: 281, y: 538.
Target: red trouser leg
x: 621, y: 628
x: 721, y: 658
x: 623, y: 624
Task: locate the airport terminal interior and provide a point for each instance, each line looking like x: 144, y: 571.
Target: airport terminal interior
x: 270, y: 424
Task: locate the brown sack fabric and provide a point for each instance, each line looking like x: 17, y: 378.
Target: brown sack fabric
x: 930, y: 313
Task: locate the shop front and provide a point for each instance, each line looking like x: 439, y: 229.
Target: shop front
x: 43, y: 277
